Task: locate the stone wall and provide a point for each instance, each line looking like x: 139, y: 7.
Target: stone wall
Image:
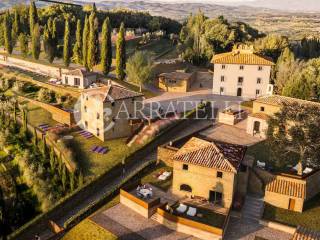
x: 51, y: 71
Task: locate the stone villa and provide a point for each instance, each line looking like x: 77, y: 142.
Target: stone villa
x: 242, y: 73
x: 107, y: 111
x: 79, y: 78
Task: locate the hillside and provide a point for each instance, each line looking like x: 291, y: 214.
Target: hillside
x: 263, y: 18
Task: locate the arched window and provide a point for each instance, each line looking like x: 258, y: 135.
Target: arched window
x: 185, y: 187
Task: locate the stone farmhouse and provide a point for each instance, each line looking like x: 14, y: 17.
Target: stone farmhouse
x: 107, y: 112
x: 265, y: 107
x: 208, y: 170
x: 242, y: 73
x: 78, y: 78
x: 290, y: 191
x: 176, y: 81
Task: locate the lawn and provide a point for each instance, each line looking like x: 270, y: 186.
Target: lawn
x: 309, y: 218
x: 88, y: 230
x: 37, y: 116
x: 95, y: 164
x: 158, y: 47
x: 151, y: 177
x: 261, y: 152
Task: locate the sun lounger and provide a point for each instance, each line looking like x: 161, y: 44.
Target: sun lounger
x: 94, y: 148
x: 307, y: 170
x: 101, y: 150
x: 167, y: 174
x: 104, y: 151
x: 182, y: 208
x: 192, y: 211
x: 98, y: 149
x: 42, y: 125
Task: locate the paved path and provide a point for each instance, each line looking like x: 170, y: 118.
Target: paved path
x: 127, y: 224
x: 192, y: 99
x: 247, y: 229
x: 179, y: 131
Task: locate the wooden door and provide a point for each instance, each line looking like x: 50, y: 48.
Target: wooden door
x: 292, y: 203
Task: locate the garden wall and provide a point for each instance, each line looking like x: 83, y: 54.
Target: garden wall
x: 51, y: 71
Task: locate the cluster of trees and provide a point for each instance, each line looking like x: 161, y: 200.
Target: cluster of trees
x: 202, y: 37
x: 37, y: 162
x: 293, y: 134
x: 53, y: 25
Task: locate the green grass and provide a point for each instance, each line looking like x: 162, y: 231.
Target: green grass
x: 88, y: 230
x: 95, y: 164
x: 151, y: 177
x: 37, y: 116
x: 158, y: 47
x: 309, y: 218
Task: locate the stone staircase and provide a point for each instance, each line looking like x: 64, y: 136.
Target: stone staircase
x: 253, y: 208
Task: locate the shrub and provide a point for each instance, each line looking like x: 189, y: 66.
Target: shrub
x: 46, y: 95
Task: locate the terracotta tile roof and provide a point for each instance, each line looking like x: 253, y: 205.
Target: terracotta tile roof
x: 242, y: 57
x: 222, y: 156
x: 262, y: 116
x: 287, y: 187
x: 305, y: 234
x: 278, y: 100
x: 112, y: 93
x: 80, y: 72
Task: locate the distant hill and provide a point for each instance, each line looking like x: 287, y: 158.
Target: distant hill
x: 258, y: 13
x: 287, y: 5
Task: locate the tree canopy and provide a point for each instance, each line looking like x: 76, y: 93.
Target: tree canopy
x: 294, y: 130
x: 139, y: 68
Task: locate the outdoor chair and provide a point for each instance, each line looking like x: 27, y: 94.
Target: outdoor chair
x: 192, y: 211
x: 182, y: 208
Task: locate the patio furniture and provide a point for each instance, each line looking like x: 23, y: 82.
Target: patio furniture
x: 261, y: 164
x: 307, y: 170
x: 145, y: 192
x: 164, y: 176
x: 182, y: 208
x: 192, y: 211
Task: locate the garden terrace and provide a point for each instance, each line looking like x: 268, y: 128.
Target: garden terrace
x: 206, y: 224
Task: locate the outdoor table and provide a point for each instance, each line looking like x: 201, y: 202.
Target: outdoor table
x: 145, y: 192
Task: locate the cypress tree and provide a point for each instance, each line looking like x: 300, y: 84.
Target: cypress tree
x: 121, y: 53
x: 80, y: 180
x: 7, y: 32
x: 64, y: 178
x: 77, y: 49
x: 71, y: 181
x: 85, y: 36
x: 66, y: 44
x: 52, y: 159
x: 106, y: 47
x: 35, y: 138
x: 23, y: 44
x: 33, y: 17
x: 49, y: 40
x: 15, y: 27
x: 93, y: 42
x: 35, y: 42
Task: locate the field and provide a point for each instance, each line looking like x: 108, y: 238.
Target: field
x: 95, y: 164
x: 309, y: 218
x: 88, y: 230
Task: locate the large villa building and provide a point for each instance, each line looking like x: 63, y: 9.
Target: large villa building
x: 107, y: 111
x: 242, y: 73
